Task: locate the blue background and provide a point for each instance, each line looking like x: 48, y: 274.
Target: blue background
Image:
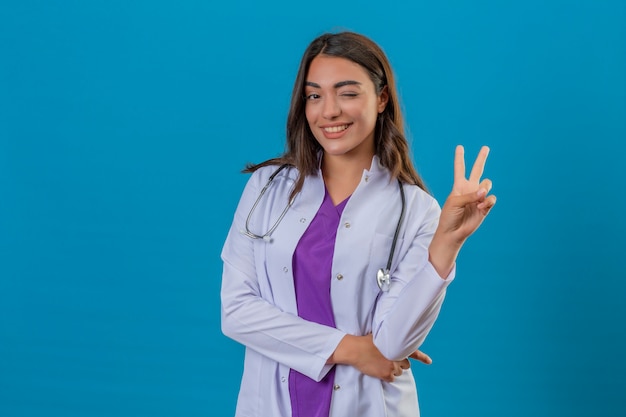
x: 123, y: 127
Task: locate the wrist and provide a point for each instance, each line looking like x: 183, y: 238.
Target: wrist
x: 345, y: 352
x: 442, y: 253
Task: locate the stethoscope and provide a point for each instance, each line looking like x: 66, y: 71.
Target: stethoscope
x: 383, y: 277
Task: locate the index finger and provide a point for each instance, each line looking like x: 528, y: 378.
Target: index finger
x: 459, y: 164
x: 421, y: 356
x: 479, y: 164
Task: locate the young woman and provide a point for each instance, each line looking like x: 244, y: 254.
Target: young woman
x: 338, y: 259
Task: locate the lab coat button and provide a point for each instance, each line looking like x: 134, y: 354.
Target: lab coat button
x: 336, y: 387
x: 302, y: 220
x: 283, y: 379
x: 339, y: 277
x: 285, y: 269
x: 347, y: 225
x: 367, y: 178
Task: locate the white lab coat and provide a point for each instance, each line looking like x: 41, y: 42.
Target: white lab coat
x: 259, y: 306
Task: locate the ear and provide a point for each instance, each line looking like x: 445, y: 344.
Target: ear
x: 383, y: 99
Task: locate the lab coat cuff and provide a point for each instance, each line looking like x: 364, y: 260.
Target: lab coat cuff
x: 319, y: 367
x: 430, y: 270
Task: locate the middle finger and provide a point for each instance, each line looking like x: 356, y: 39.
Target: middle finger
x: 479, y: 165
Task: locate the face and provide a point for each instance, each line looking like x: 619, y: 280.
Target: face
x: 342, y: 106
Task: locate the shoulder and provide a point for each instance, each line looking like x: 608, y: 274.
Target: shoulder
x: 276, y: 173
x: 414, y: 192
x: 421, y: 205
x: 273, y: 181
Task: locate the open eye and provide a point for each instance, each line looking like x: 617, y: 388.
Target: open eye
x: 312, y: 96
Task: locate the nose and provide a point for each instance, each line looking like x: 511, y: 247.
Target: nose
x: 331, y: 108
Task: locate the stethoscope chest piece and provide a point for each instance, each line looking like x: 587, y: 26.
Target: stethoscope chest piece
x: 383, y: 279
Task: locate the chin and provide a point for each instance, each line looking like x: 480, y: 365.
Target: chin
x: 335, y: 150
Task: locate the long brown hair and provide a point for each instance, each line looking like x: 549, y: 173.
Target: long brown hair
x: 390, y: 143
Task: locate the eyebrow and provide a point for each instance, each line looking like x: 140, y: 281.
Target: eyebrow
x: 337, y: 85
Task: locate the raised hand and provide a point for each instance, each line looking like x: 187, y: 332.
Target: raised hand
x: 468, y: 204
x: 463, y: 212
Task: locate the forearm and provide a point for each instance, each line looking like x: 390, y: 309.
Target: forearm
x: 413, y: 314
x: 303, y: 346
x: 443, y: 252
x: 274, y: 331
x: 286, y: 338
x: 405, y: 314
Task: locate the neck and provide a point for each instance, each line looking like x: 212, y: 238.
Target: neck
x: 348, y: 164
x: 343, y: 173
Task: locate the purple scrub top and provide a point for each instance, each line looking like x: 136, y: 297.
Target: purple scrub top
x: 312, y: 263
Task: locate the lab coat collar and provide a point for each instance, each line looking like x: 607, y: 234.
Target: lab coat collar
x: 375, y: 167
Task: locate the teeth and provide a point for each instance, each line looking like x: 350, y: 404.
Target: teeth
x: 335, y: 129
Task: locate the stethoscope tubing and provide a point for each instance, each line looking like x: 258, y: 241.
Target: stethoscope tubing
x: 383, y: 279
x: 266, y: 236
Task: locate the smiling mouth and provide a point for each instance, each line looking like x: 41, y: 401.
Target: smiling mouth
x: 336, y: 129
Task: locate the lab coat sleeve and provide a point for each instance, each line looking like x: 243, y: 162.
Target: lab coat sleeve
x: 258, y: 324
x: 406, y: 313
